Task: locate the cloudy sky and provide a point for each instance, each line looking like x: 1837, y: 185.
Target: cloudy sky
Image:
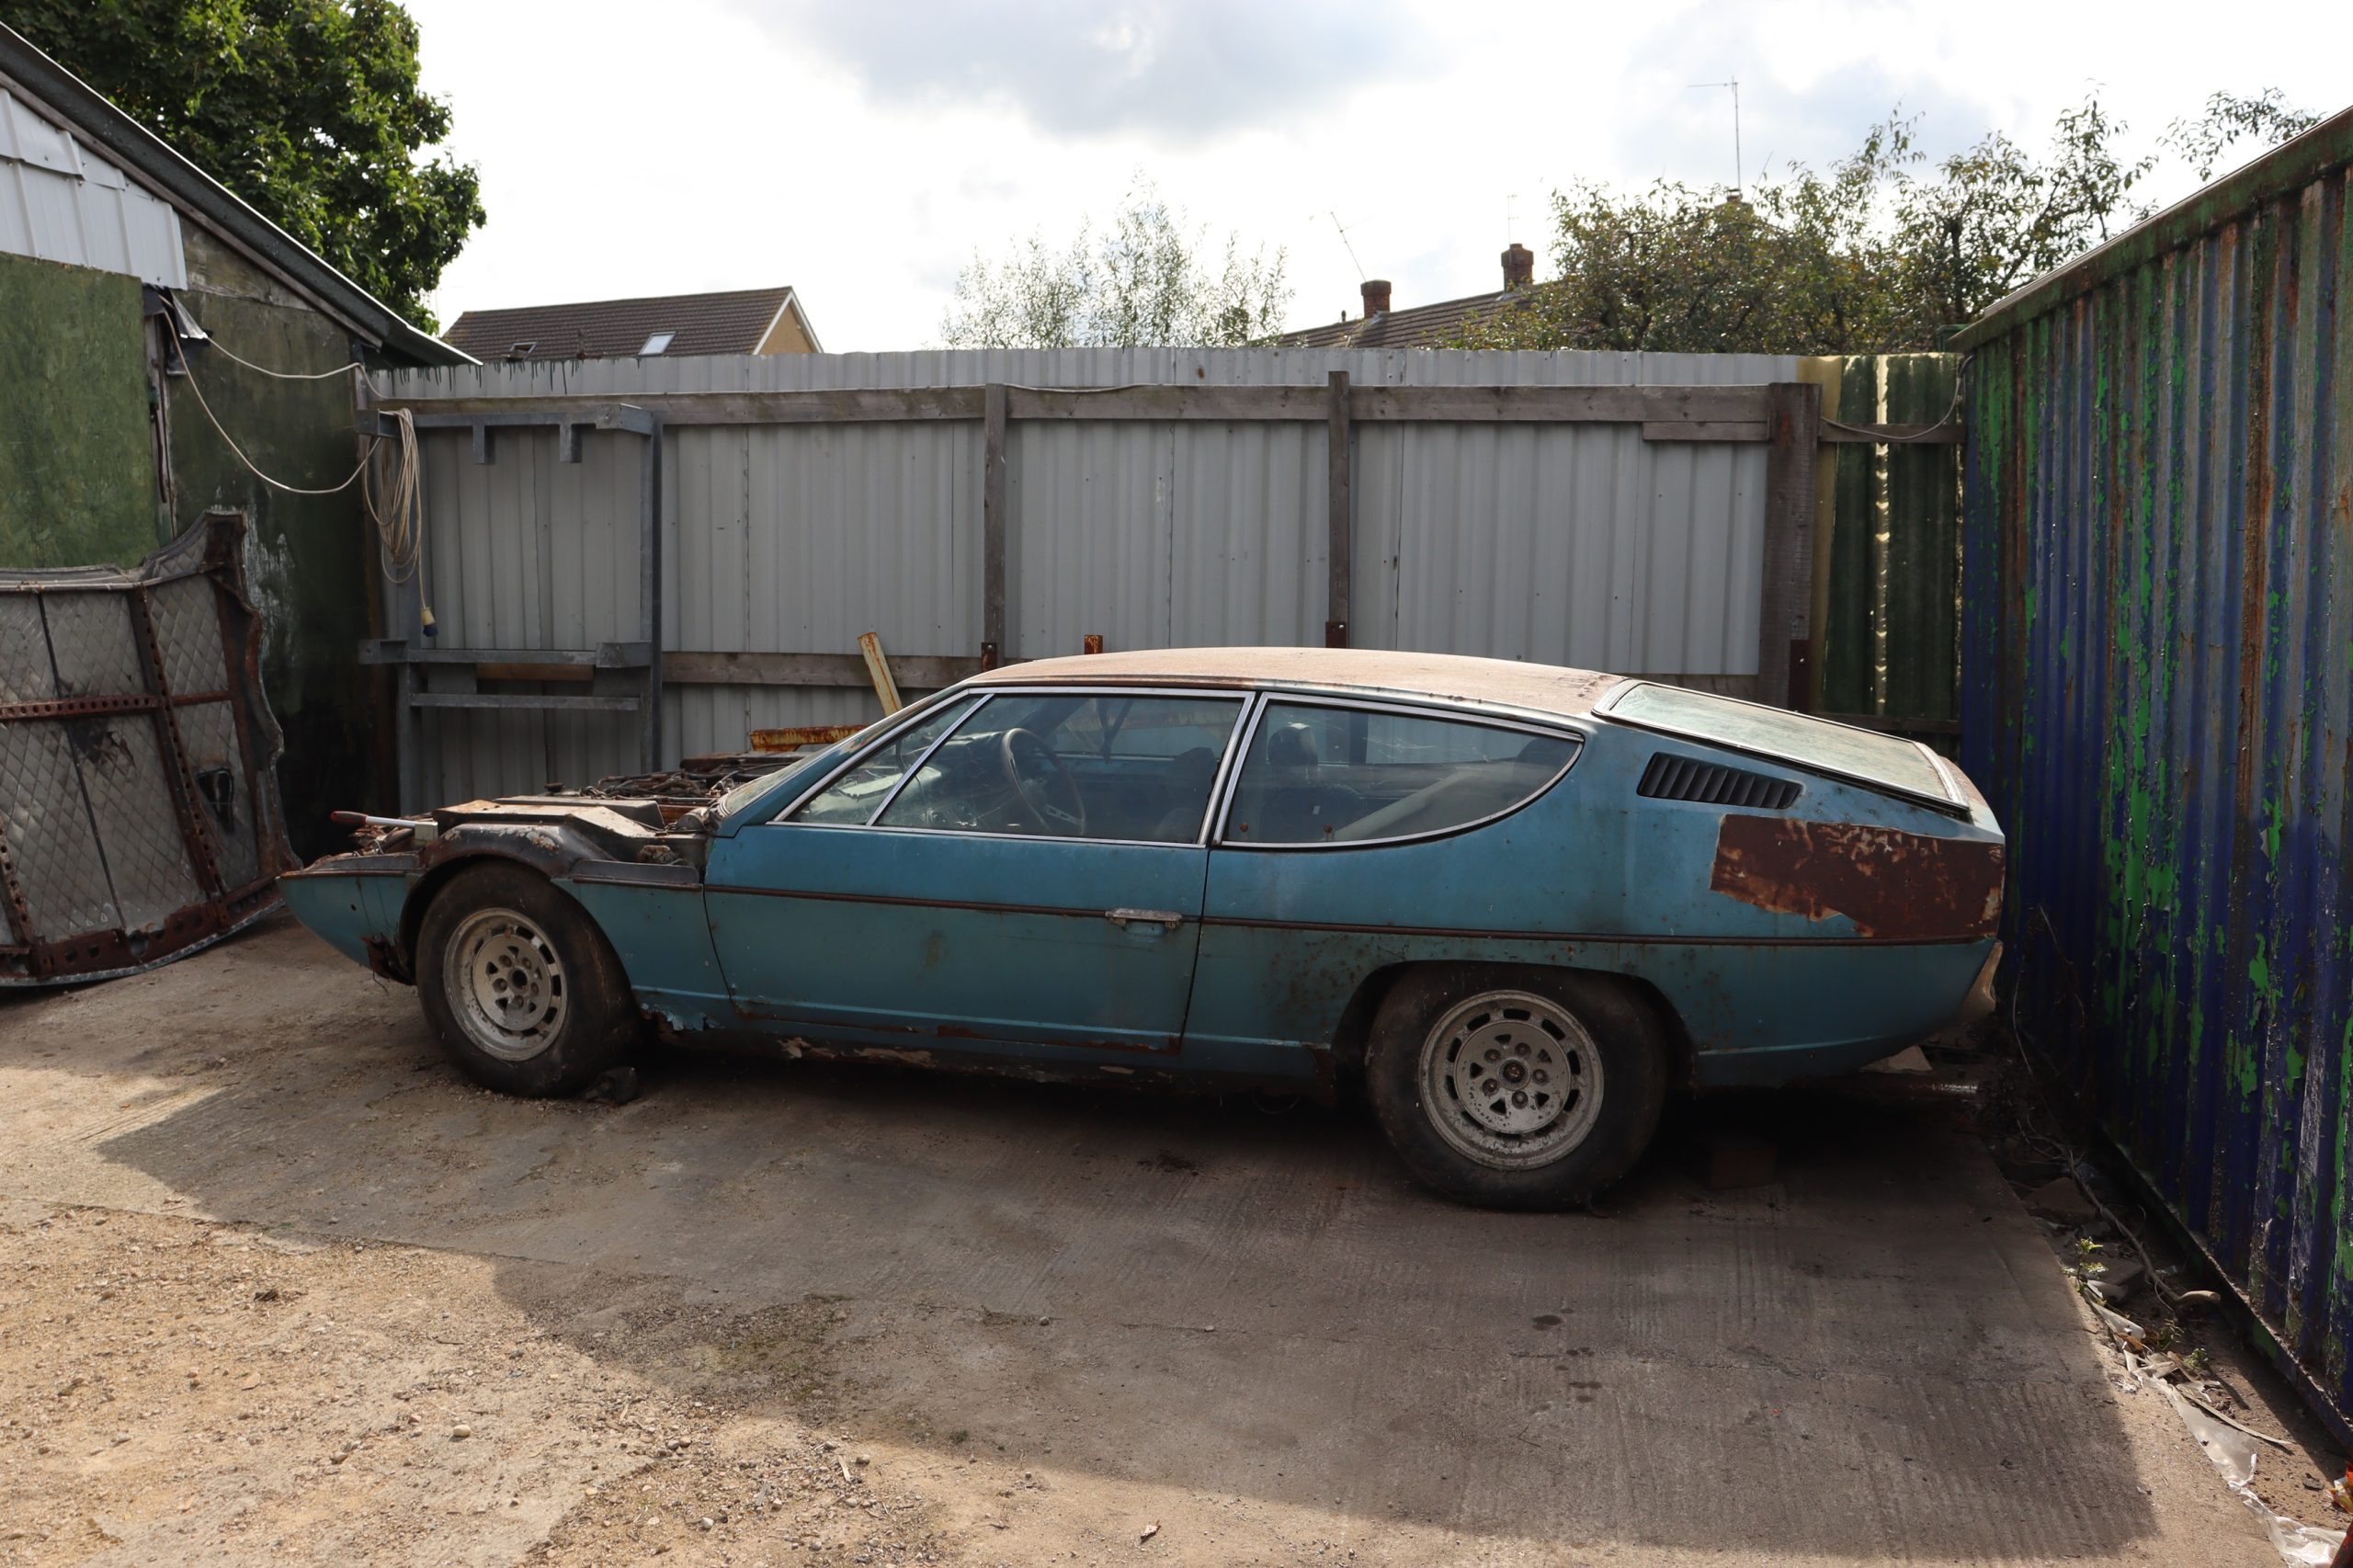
x: 864, y: 150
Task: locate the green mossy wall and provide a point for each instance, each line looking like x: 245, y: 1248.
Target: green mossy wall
x: 78, y: 464
x: 307, y: 556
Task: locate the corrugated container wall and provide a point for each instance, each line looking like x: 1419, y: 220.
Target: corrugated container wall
x: 2158, y: 696
x: 1574, y: 544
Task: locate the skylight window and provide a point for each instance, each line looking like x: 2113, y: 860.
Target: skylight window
x: 522, y: 349
x: 657, y: 344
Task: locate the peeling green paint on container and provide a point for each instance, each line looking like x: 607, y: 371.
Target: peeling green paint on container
x: 2157, y: 695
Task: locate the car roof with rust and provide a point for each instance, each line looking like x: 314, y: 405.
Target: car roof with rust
x: 1544, y: 688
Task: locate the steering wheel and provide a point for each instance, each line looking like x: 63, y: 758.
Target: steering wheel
x: 1043, y: 785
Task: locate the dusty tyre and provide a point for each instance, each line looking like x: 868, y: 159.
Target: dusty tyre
x: 1514, y: 1088
x: 524, y: 991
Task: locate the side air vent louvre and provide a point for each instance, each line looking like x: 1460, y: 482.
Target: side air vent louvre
x: 1680, y: 778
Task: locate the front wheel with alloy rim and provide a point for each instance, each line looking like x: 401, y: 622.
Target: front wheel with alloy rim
x: 525, y: 992
x: 1515, y: 1088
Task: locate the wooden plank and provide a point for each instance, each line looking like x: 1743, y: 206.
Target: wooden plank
x: 1606, y: 405
x: 1478, y: 406
x: 1711, y: 431
x: 1939, y: 435
x: 1785, y: 613
x: 878, y: 670
x: 1340, y: 515
x: 604, y: 656
x: 1165, y: 402
x: 578, y: 673
x: 479, y: 700
x: 993, y: 525
x: 911, y: 671
x: 842, y: 405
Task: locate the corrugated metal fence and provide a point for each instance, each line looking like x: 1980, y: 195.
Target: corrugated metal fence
x: 2158, y: 645
x: 1577, y: 543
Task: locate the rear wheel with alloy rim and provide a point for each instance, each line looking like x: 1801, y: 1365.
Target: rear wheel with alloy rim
x: 1515, y: 1088
x: 525, y: 992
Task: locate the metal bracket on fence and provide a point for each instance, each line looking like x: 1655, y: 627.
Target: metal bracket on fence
x: 624, y: 678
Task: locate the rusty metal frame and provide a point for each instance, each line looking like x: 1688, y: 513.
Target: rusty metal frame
x: 214, y: 551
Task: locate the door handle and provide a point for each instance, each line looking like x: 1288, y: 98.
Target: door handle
x: 1166, y: 919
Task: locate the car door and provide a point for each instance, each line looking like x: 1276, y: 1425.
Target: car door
x: 1014, y: 872
x: 1359, y: 836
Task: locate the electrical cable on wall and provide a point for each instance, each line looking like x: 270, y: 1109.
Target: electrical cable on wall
x: 400, y: 540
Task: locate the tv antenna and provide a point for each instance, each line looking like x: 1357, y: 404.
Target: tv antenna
x: 1344, y: 240
x: 1738, y: 171
x: 1510, y: 202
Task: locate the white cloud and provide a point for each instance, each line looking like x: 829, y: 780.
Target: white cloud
x: 1177, y: 68
x: 716, y: 143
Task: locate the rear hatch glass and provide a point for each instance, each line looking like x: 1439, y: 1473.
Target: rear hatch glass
x: 1888, y: 761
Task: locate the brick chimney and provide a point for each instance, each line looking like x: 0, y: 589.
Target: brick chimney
x: 1520, y: 266
x: 1376, y: 296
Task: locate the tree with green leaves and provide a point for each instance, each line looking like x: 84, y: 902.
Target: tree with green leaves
x: 2265, y: 119
x: 1878, y: 253
x: 1145, y: 280
x: 308, y: 110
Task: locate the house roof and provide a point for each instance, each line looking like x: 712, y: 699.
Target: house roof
x: 734, y: 322
x: 150, y: 161
x: 1441, y: 325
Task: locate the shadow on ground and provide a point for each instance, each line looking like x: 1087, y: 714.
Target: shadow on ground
x: 1870, y: 1357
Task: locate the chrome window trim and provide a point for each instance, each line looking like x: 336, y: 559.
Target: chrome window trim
x: 1555, y: 729
x: 1242, y: 699
x: 1229, y: 768
x: 1952, y: 803
x: 916, y: 767
x: 913, y: 713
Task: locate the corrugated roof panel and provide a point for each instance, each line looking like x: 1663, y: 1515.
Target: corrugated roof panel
x: 62, y: 201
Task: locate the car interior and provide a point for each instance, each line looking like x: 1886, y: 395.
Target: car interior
x: 1142, y: 769
x: 1138, y: 769
x: 1291, y: 792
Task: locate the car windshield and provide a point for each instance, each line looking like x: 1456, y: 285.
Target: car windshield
x: 1886, y: 760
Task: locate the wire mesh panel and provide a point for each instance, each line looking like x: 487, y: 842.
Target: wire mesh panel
x: 138, y: 815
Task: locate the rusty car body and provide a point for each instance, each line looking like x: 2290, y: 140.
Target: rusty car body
x: 1521, y: 903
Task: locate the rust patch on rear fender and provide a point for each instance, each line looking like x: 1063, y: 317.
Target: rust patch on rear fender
x: 386, y: 958
x: 1888, y: 882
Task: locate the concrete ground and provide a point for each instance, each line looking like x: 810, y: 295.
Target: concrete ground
x: 276, y: 1284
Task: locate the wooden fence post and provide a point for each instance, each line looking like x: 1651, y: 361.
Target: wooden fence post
x: 1784, y: 625
x: 1339, y: 525
x: 993, y: 528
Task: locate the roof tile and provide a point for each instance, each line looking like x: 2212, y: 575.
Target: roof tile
x: 1441, y: 326
x: 703, y: 323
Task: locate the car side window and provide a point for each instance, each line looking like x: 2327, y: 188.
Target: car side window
x: 857, y: 795
x: 1333, y: 775
x: 1074, y: 764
